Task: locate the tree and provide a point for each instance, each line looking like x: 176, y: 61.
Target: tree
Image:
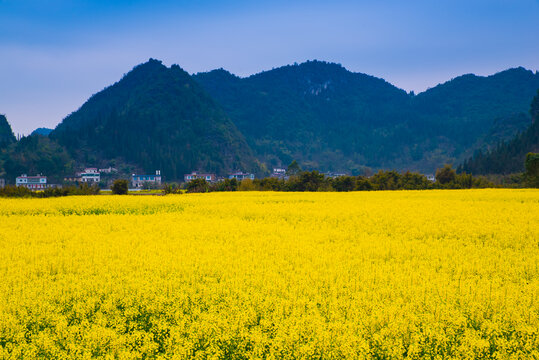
x: 386, y: 180
x: 307, y: 181
x: 293, y: 168
x: 344, y: 183
x: 120, y: 187
x: 532, y: 169
x: 197, y: 186
x: 445, y: 175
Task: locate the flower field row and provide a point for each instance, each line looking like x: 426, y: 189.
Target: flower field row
x: 261, y: 275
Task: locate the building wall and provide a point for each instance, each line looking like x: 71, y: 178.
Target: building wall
x: 138, y: 181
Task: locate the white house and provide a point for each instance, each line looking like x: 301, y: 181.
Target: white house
x: 38, y: 182
x: 138, y: 181
x: 241, y: 176
x: 90, y: 175
x: 196, y: 175
x: 279, y: 173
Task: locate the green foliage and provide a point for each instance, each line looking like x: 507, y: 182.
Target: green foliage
x: 225, y: 185
x: 386, y: 180
x: 293, y: 168
x: 22, y: 192
x: 16, y: 192
x: 314, y: 181
x: 120, y: 187
x: 37, y: 154
x: 446, y: 175
x: 532, y: 169
x: 197, y: 186
x: 157, y: 118
x: 307, y: 181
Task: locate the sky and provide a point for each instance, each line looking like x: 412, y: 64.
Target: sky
x: 54, y: 54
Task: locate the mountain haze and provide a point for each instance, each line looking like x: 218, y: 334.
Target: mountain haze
x: 157, y: 118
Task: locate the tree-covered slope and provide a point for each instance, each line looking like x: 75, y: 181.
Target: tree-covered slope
x: 468, y: 106
x: 37, y: 154
x: 316, y: 112
x: 508, y: 157
x: 157, y: 118
x: 6, y: 134
x: 330, y: 118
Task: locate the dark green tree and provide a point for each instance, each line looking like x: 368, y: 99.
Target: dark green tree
x: 344, y: 183
x: 446, y: 174
x: 386, y: 180
x: 532, y: 169
x: 293, y: 168
x: 120, y: 187
x: 197, y: 186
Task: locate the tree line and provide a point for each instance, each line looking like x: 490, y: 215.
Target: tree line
x: 23, y: 192
x: 446, y: 178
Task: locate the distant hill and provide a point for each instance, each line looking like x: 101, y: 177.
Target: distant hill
x: 330, y: 118
x: 508, y: 157
x: 6, y: 134
x: 41, y: 131
x: 157, y: 118
x: 37, y: 154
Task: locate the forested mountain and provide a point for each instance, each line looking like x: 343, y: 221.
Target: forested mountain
x: 330, y: 118
x: 508, y: 157
x: 157, y: 118
x: 320, y: 114
x: 6, y: 134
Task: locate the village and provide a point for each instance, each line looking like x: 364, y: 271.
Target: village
x: 95, y: 176
x: 104, y: 177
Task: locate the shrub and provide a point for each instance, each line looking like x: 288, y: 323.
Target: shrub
x: 197, y: 186
x: 120, y: 187
x: 445, y: 175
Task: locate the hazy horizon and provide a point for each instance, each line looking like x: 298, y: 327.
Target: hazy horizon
x: 55, y: 56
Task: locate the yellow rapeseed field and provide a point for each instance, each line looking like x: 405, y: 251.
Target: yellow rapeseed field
x: 366, y: 275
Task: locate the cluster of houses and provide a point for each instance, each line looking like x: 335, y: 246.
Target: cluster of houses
x: 238, y: 175
x: 89, y: 175
x: 93, y: 176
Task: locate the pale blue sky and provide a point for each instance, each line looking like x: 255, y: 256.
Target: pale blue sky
x: 55, y: 54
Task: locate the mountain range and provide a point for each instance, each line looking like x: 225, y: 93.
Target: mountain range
x: 327, y: 117
x: 318, y: 113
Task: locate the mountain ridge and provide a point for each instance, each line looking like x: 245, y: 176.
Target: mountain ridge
x: 393, y: 128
